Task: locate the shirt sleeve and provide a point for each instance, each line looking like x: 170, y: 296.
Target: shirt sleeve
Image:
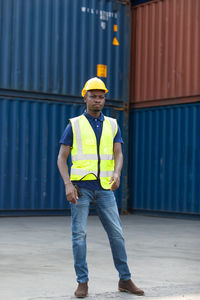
x: 67, y: 137
x: 118, y: 137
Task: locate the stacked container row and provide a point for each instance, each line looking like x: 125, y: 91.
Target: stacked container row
x: 165, y: 116
x: 48, y: 50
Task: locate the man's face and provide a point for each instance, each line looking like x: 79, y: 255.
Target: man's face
x: 94, y: 100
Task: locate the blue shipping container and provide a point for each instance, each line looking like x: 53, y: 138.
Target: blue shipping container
x: 30, y: 130
x: 54, y: 46
x: 164, y: 159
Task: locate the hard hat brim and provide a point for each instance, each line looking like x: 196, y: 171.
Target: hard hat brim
x: 84, y: 91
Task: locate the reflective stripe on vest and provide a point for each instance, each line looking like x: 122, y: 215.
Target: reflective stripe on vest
x: 82, y: 172
x: 84, y: 150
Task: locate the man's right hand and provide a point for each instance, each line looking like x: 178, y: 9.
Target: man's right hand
x: 71, y: 193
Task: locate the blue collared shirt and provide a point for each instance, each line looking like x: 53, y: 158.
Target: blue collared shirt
x: 97, y: 125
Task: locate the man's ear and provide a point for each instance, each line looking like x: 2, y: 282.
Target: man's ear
x: 85, y: 97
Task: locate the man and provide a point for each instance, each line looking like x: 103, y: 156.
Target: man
x: 94, y: 141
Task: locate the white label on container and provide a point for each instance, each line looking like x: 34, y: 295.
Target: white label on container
x: 103, y: 14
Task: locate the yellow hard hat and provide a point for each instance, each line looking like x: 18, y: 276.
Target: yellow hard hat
x: 94, y: 84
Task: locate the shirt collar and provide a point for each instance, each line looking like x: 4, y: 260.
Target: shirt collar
x: 100, y: 118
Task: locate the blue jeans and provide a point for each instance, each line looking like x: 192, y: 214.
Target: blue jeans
x: 107, y: 211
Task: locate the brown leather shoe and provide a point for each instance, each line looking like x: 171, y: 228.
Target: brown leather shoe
x: 129, y: 287
x: 82, y: 290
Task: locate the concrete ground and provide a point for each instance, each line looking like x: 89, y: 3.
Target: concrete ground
x: 36, y: 260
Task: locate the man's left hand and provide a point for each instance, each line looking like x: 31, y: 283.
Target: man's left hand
x: 115, y: 182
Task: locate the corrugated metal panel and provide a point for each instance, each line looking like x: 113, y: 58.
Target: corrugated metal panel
x: 54, y: 46
x: 165, y: 53
x: 29, y: 134
x: 165, y: 159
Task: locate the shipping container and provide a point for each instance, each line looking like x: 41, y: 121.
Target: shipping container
x: 30, y: 130
x: 54, y: 46
x: 164, y: 159
x: 165, y: 54
x: 48, y: 50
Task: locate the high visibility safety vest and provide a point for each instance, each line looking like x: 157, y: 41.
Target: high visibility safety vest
x: 90, y: 161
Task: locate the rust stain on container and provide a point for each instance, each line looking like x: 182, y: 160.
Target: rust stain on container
x: 165, y: 66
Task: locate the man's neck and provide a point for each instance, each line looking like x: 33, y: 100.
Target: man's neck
x: 93, y: 114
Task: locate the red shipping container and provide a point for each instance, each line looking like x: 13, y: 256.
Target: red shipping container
x: 165, y: 55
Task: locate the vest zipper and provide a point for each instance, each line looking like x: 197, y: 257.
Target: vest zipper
x: 98, y: 173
